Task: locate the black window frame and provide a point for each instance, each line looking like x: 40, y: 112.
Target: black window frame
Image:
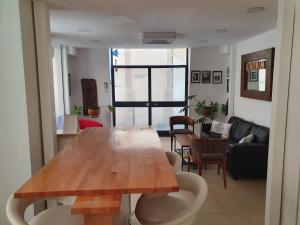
x: 150, y: 104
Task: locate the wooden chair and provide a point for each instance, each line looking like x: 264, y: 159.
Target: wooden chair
x: 209, y: 151
x: 180, y: 120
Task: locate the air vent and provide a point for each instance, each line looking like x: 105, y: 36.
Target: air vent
x: 158, y: 38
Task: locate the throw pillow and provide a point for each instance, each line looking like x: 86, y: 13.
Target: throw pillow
x: 220, y: 128
x: 246, y: 140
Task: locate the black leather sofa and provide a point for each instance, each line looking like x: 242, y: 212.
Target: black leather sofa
x: 245, y: 159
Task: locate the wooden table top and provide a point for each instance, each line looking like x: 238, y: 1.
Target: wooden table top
x: 184, y: 139
x: 104, y: 161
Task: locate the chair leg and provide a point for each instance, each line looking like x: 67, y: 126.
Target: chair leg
x: 200, y: 168
x: 219, y: 166
x: 174, y: 143
x: 182, y: 159
x: 171, y: 143
x: 224, y: 172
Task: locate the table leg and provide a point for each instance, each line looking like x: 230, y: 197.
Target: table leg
x: 182, y: 158
x: 174, y: 143
x: 101, y: 219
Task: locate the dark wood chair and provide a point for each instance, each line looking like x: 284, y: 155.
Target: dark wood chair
x: 209, y: 151
x: 180, y: 120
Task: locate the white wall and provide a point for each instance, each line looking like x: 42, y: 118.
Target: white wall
x: 20, y: 128
x: 251, y: 109
x: 209, y: 58
x: 93, y: 64
x: 58, y: 82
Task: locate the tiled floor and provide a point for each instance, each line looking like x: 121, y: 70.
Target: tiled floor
x: 242, y: 203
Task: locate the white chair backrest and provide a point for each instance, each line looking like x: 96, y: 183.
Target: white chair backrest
x: 15, y: 209
x: 175, y: 161
x: 197, y: 185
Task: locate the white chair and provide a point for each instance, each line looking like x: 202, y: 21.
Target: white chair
x: 58, y: 215
x: 176, y: 208
x: 175, y: 161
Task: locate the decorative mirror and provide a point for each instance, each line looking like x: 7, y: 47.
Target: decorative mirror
x: 257, y: 74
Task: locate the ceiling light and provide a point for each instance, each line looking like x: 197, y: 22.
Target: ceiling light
x: 256, y: 9
x: 158, y: 37
x: 218, y: 31
x: 97, y: 42
x: 84, y: 30
x: 203, y: 41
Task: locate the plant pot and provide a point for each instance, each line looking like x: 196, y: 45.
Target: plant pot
x: 94, y: 112
x: 206, y: 111
x: 205, y: 127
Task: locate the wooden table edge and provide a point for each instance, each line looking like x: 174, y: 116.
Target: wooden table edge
x: 52, y: 194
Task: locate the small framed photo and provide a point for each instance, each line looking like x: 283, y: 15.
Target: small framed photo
x: 206, y: 77
x: 195, y: 76
x: 217, y: 77
x: 253, y: 76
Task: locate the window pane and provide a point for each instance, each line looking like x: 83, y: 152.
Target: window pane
x: 129, y: 117
x: 131, y: 84
x: 160, y: 117
x: 150, y: 57
x: 168, y: 84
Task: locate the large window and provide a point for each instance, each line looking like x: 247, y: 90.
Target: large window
x: 149, y: 86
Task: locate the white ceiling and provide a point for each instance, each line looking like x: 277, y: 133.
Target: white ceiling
x: 120, y: 23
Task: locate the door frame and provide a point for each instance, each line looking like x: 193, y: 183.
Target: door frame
x: 150, y: 104
x: 274, y: 212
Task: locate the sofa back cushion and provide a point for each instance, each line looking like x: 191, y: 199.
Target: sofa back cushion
x: 241, y: 128
x: 261, y: 134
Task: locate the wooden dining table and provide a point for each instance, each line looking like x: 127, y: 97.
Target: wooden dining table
x: 99, y: 166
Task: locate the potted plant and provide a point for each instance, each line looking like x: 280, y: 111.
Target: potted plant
x: 224, y: 108
x: 111, y: 108
x: 94, y: 111
x: 206, y: 112
x: 77, y: 110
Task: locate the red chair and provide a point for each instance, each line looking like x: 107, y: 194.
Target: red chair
x: 84, y: 123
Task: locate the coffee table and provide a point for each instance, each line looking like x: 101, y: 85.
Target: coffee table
x: 185, y: 142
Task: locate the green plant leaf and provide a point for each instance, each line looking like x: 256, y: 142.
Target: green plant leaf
x: 191, y: 97
x: 184, y: 109
x: 111, y: 108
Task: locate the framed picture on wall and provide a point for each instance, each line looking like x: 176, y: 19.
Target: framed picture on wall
x: 195, y: 76
x: 253, y: 76
x: 217, y: 77
x: 206, y: 77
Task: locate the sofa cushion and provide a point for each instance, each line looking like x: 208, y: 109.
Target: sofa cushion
x: 246, y: 140
x: 220, y: 128
x: 241, y: 129
x: 261, y: 134
x: 84, y: 123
